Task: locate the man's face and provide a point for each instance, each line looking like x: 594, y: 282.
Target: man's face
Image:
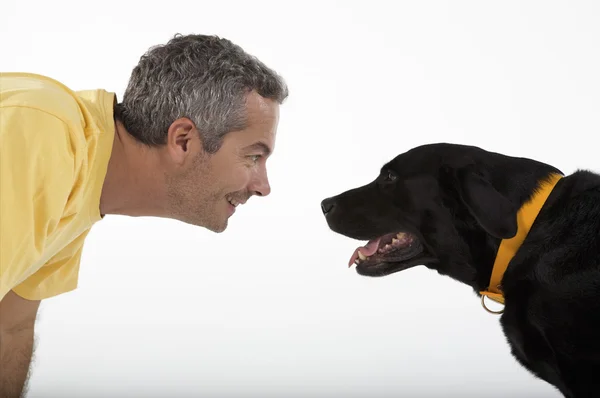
x: 204, y: 189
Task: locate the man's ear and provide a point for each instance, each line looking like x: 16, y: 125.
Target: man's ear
x: 496, y: 214
x: 180, y: 136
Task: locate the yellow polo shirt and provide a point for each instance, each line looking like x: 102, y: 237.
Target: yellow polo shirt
x: 55, y: 145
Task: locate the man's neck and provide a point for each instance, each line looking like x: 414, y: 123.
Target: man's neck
x: 133, y: 186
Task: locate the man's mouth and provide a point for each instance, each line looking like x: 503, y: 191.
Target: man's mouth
x: 233, y: 202
x: 236, y: 200
x: 390, y: 248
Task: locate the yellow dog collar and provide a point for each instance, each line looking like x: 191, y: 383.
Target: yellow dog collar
x: 508, y: 247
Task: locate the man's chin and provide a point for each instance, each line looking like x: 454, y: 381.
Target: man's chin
x: 219, y: 229
x: 219, y: 219
x: 215, y: 226
x: 219, y: 225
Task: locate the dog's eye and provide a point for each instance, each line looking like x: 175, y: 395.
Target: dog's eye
x: 389, y: 176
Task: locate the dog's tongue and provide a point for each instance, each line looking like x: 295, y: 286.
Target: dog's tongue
x: 368, y: 250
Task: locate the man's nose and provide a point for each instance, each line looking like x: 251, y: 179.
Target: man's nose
x: 261, y: 187
x: 327, y: 205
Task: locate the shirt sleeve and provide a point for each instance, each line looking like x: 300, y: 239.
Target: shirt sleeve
x: 59, y: 275
x: 37, y: 171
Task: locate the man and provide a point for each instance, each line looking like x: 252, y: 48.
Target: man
x: 189, y: 142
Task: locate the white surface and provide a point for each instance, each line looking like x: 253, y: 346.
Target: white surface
x: 269, y: 308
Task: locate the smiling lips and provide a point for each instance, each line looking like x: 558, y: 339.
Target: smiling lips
x: 234, y: 202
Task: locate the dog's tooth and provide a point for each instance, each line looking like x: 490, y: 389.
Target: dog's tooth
x: 387, y: 247
x: 401, y: 235
x: 395, y: 241
x: 361, y: 256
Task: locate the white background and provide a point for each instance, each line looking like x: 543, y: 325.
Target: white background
x: 269, y: 308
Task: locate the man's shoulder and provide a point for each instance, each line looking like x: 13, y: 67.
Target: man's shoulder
x: 40, y: 94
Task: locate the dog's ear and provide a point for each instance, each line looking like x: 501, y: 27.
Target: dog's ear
x: 496, y: 214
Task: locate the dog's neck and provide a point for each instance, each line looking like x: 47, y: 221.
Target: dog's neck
x: 526, y: 216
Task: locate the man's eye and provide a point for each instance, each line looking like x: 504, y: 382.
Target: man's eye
x: 255, y: 158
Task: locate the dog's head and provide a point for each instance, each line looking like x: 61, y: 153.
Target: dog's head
x: 444, y: 206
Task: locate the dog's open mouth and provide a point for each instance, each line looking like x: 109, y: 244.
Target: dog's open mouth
x: 391, y: 248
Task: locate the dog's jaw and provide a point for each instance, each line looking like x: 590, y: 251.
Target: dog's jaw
x: 390, y: 247
x: 384, y: 268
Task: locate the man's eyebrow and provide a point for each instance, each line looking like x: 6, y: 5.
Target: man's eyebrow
x: 259, y: 146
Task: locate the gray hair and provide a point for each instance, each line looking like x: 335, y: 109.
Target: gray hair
x: 204, y: 78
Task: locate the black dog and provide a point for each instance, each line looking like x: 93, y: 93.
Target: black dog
x: 450, y: 207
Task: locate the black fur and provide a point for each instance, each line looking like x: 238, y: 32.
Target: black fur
x: 460, y: 201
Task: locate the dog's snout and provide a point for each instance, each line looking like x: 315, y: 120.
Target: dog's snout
x: 327, y: 205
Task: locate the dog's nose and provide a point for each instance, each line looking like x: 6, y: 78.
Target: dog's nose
x: 327, y: 205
